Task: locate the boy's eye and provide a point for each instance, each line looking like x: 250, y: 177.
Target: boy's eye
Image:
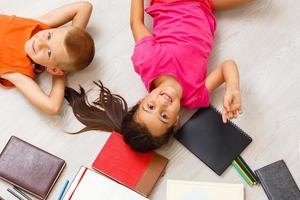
x: 49, y: 36
x: 49, y: 52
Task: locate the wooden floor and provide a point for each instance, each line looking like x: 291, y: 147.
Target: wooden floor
x: 263, y: 37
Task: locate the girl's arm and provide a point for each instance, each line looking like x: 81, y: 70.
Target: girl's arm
x: 227, y: 72
x: 49, y: 104
x: 227, y: 4
x: 79, y: 13
x: 138, y: 28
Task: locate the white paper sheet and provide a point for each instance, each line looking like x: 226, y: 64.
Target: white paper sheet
x: 94, y: 186
x: 189, y: 190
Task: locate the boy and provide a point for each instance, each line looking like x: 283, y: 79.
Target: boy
x: 27, y: 42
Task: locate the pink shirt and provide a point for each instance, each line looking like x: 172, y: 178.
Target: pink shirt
x: 181, y: 42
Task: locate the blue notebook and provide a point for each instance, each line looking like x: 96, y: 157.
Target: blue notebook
x: 215, y: 143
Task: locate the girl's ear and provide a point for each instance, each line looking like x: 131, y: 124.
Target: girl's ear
x: 140, y: 101
x: 55, y: 71
x: 176, y: 124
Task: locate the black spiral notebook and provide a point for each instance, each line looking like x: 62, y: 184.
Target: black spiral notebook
x: 215, y: 143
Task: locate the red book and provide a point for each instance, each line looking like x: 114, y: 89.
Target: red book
x: 138, y: 171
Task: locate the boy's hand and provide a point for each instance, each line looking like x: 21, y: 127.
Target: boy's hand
x: 48, y: 103
x: 232, y: 105
x: 79, y: 13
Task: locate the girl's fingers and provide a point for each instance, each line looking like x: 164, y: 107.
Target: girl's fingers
x: 241, y: 110
x: 236, y: 107
x: 235, y: 114
x: 226, y: 104
x: 230, y: 115
x: 224, y: 116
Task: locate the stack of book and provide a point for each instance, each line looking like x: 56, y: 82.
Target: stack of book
x: 120, y: 173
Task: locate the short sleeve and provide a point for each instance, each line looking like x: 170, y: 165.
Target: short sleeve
x: 152, y: 59
x: 143, y: 53
x: 201, y: 99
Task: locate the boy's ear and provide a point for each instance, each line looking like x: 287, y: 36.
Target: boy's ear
x: 55, y: 71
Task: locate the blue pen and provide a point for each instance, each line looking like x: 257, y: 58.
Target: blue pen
x: 63, y: 190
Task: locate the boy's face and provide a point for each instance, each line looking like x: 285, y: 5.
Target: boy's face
x: 159, y: 110
x: 47, y: 48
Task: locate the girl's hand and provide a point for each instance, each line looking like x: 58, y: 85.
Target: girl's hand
x: 232, y: 105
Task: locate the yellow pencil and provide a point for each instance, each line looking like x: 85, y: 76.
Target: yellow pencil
x: 240, y: 168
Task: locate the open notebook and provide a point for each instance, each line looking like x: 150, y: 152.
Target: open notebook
x: 91, y: 185
x: 190, y: 190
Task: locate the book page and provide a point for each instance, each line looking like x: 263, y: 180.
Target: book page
x: 188, y: 190
x: 94, y: 186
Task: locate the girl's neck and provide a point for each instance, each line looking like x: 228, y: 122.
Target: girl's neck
x: 168, y: 81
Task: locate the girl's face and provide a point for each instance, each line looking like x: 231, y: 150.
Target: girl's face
x: 47, y: 47
x: 159, y: 110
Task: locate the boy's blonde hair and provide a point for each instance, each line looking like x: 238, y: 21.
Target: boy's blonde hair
x: 80, y: 48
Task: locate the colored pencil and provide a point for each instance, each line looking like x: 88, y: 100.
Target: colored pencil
x: 253, y: 175
x: 242, y: 173
x: 244, y: 168
x: 15, y: 194
x: 247, y: 172
x: 63, y: 190
x: 18, y: 190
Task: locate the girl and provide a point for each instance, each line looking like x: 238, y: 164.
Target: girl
x: 172, y: 62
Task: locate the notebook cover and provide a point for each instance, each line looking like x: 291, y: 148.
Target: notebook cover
x: 278, y: 182
x: 91, y: 185
x: 138, y: 171
x: 215, y: 143
x: 29, y: 168
x: 192, y: 190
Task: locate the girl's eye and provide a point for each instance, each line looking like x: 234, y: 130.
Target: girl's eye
x: 49, y: 53
x: 151, y: 107
x: 49, y: 36
x: 164, y: 115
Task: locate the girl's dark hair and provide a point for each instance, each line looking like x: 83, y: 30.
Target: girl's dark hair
x: 105, y: 113
x: 139, y: 137
x: 109, y: 112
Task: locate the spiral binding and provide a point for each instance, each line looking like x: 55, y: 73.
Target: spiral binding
x: 230, y: 122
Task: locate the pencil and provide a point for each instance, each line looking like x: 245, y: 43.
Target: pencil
x: 15, y: 194
x: 250, y: 171
x: 245, y: 169
x: 21, y: 193
x: 242, y: 173
x: 63, y: 190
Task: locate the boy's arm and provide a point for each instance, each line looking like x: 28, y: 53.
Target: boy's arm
x: 79, y: 13
x: 49, y: 104
x: 227, y: 72
x: 138, y: 28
